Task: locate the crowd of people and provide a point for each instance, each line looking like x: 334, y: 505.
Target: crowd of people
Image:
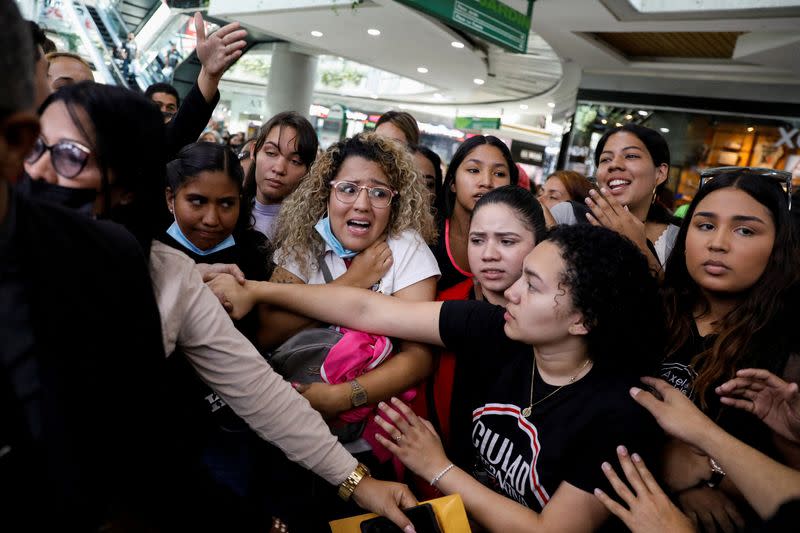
x: 576, y: 360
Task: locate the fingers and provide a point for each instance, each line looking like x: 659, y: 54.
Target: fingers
x: 227, y: 29
x: 394, y: 514
x: 613, y: 507
x: 394, y: 415
x: 707, y: 519
x: 200, y: 27
x: 661, y: 387
x: 237, y: 273
x: 744, y: 405
x: 387, y: 443
x: 410, y: 416
x: 389, y: 428
x: 619, y: 487
x: 735, y: 516
x: 647, y: 400
x: 631, y: 472
x: 649, y: 480
x: 762, y: 375
x: 209, y: 276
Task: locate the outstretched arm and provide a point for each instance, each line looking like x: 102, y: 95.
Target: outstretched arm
x: 765, y: 483
x: 347, y: 306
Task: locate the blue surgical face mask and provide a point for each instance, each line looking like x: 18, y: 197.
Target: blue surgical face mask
x: 175, y: 232
x: 323, y: 227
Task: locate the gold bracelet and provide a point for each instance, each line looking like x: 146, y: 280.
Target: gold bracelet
x: 349, y: 485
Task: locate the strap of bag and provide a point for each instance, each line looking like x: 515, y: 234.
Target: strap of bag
x: 326, y: 272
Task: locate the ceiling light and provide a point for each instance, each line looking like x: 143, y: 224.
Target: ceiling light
x: 438, y: 96
x: 551, y: 105
x: 374, y: 32
x: 664, y: 130
x: 604, y: 121
x: 478, y: 81
x: 643, y: 112
x: 422, y: 70
x: 618, y: 124
x: 523, y: 106
x: 628, y: 117
x: 317, y: 33
x: 750, y: 129
x: 374, y: 96
x: 457, y: 44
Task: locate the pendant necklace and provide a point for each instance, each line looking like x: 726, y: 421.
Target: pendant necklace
x: 528, y: 410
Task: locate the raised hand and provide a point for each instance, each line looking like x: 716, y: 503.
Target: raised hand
x: 607, y: 212
x: 219, y: 50
x: 649, y: 508
x: 773, y: 400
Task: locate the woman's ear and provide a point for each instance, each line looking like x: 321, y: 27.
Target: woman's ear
x: 662, y: 173
x: 170, y: 197
x: 578, y: 326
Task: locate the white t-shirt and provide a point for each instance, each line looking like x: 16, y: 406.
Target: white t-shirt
x: 412, y: 261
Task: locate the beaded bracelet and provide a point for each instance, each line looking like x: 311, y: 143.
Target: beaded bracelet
x: 438, y: 476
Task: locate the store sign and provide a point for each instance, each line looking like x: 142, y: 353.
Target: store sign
x: 527, y: 153
x: 489, y: 19
x: 477, y: 123
x: 786, y: 138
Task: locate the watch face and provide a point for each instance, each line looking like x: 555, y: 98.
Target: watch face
x: 358, y: 396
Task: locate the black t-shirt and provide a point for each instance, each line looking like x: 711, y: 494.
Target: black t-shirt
x: 566, y: 438
x: 450, y: 274
x: 677, y: 370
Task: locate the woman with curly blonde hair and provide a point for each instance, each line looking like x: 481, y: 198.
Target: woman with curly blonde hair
x: 362, y: 212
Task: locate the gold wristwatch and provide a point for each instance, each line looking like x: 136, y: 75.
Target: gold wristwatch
x: 358, y: 394
x: 349, y: 485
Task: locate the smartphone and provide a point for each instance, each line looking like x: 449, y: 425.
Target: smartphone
x: 422, y: 516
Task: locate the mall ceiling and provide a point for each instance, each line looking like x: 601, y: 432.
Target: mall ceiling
x: 571, y: 41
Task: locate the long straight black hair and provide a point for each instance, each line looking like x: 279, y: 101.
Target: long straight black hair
x: 461, y: 154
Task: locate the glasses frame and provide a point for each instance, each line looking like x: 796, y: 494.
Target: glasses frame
x: 50, y: 147
x: 781, y: 177
x: 369, y: 190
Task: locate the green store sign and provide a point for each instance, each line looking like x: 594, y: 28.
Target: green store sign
x: 477, y: 123
x: 490, y: 19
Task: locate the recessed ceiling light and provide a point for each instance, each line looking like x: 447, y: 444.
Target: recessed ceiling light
x: 664, y: 130
x: 422, y: 70
x: 643, y: 113
x: 374, y: 32
x: 523, y: 106
x: 457, y: 44
x: 317, y: 33
x: 478, y: 81
x: 374, y: 96
x: 618, y: 124
x: 438, y: 96
x: 604, y: 121
x: 750, y: 129
x: 628, y: 117
x: 551, y: 105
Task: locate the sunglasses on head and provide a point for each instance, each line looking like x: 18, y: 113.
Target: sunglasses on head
x: 780, y: 177
x: 67, y: 157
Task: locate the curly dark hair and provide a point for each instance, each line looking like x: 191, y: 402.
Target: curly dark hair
x: 611, y: 285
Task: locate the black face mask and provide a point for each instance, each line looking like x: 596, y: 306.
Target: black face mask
x: 81, y: 200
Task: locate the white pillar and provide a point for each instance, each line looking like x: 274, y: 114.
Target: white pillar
x: 291, y: 81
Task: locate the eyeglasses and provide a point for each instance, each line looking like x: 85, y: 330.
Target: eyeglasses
x: 244, y: 154
x: 68, y: 157
x: 348, y: 192
x: 780, y: 177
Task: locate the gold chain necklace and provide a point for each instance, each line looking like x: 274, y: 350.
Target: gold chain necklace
x: 528, y: 410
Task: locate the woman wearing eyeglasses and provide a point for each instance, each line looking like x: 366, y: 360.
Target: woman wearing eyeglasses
x: 730, y: 288
x: 362, y: 211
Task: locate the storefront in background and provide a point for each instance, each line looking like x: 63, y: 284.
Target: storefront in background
x: 701, y: 133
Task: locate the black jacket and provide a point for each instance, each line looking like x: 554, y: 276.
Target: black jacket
x: 110, y: 450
